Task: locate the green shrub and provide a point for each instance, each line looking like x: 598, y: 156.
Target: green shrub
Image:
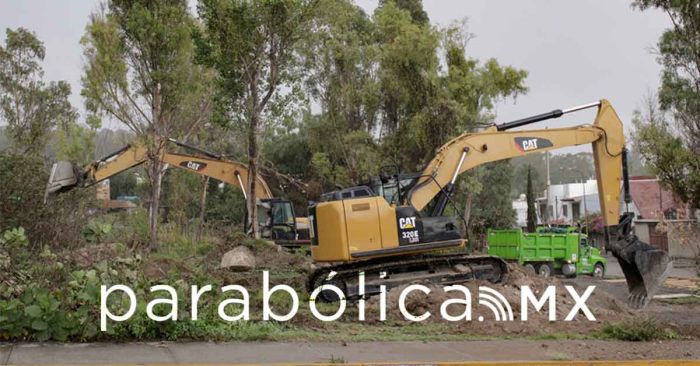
x: 637, y: 330
x: 95, y: 232
x: 22, y: 182
x: 14, y: 239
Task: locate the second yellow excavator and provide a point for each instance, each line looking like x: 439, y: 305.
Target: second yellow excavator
x: 276, y: 217
x: 391, y: 229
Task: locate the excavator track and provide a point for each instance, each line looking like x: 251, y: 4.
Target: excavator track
x: 439, y: 269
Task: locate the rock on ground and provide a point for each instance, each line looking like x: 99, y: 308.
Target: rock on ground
x: 239, y: 258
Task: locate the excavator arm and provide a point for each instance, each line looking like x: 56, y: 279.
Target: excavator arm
x: 65, y: 176
x: 471, y: 150
x: 645, y: 267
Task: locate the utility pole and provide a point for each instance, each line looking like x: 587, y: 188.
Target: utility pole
x: 546, y: 211
x: 585, y: 211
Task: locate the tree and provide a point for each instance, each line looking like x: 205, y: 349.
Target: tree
x: 666, y: 153
x: 492, y: 206
x: 673, y: 151
x: 531, y: 210
x: 140, y: 72
x: 31, y: 108
x: 253, y: 46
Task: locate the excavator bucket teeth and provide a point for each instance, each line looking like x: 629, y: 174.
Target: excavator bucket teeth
x: 644, y: 266
x: 63, y: 177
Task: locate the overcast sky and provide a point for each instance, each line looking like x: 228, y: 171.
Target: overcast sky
x: 575, y: 51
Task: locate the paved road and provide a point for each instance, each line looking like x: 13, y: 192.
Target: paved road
x: 302, y: 352
x: 680, y: 269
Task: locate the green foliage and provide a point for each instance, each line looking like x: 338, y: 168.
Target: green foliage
x: 123, y: 184
x: 22, y: 182
x: 668, y: 156
x: 140, y: 72
x: 638, y: 329
x: 30, y: 107
x: 253, y: 47
x: 14, y: 239
x: 531, y: 209
x: 675, y: 155
x: 95, y: 231
x: 492, y: 207
x: 76, y: 144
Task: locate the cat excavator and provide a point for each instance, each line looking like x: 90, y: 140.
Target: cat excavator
x: 276, y: 218
x: 393, y: 232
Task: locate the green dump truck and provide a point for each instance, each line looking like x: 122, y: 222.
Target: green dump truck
x: 548, y: 251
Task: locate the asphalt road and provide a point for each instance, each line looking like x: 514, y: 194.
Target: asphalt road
x: 680, y: 269
x: 307, y: 353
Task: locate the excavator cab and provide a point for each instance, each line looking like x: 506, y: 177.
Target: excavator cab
x: 277, y: 222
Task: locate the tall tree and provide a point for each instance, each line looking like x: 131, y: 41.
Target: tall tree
x: 672, y: 151
x: 140, y: 72
x: 253, y: 46
x: 667, y: 154
x: 531, y: 210
x: 30, y: 108
x: 470, y: 92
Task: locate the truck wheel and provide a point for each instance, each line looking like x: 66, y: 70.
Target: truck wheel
x: 544, y: 270
x: 569, y: 270
x: 530, y: 268
x: 598, y: 271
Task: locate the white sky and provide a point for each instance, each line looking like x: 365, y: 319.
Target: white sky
x: 575, y: 51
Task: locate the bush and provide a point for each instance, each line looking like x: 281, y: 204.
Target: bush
x: 637, y: 330
x: 22, y: 184
x: 95, y: 232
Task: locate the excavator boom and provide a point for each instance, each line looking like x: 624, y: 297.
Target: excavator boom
x: 65, y: 176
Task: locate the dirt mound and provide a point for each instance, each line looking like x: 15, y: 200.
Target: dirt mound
x: 483, y: 319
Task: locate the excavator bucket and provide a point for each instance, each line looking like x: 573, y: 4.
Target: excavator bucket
x: 63, y: 177
x: 645, y: 267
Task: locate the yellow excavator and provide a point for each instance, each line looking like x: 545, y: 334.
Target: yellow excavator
x: 276, y: 217
x: 393, y: 229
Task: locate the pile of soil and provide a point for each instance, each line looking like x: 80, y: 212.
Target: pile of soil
x: 604, y: 307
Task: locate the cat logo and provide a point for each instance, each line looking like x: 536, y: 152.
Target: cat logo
x: 525, y: 144
x: 193, y: 165
x: 407, y: 223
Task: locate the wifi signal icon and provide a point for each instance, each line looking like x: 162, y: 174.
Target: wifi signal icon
x: 498, y: 304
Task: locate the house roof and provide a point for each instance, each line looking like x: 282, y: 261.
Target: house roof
x: 650, y: 198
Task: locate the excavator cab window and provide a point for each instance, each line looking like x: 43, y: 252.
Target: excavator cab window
x: 277, y: 213
x: 276, y: 218
x: 392, y: 189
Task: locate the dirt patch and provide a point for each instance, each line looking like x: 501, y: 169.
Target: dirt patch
x: 89, y: 255
x: 160, y: 268
x: 604, y: 307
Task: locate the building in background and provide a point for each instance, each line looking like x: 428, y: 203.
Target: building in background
x: 520, y: 208
x: 661, y: 220
x: 568, y: 203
